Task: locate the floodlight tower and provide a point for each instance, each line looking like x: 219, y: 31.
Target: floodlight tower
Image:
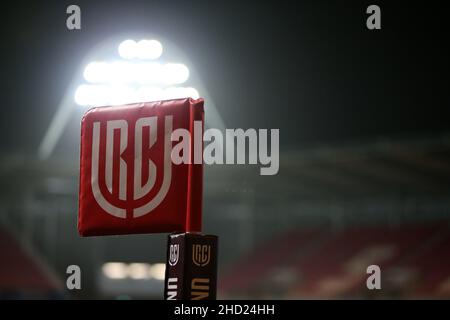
x: 133, y: 73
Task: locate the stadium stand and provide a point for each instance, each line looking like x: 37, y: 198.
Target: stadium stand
x: 414, y: 259
x: 22, y: 275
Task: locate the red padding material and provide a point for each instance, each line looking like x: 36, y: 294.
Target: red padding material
x: 168, y: 197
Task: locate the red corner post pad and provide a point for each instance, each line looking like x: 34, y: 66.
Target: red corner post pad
x: 128, y: 182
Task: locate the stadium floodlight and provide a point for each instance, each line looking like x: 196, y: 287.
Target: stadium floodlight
x: 123, y: 81
x: 138, y: 271
x: 157, y: 271
x: 127, y: 49
x: 144, y: 49
x: 102, y: 95
x: 130, y: 78
x: 115, y: 270
x: 149, y: 49
x: 137, y: 73
x: 135, y: 271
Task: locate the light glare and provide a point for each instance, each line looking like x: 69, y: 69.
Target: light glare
x: 157, y: 271
x: 102, y: 95
x: 96, y: 72
x: 149, y: 49
x: 138, y: 270
x: 115, y: 270
x: 135, y: 271
x: 175, y: 73
x: 93, y: 95
x: 128, y: 49
x: 144, y: 49
x: 136, y: 73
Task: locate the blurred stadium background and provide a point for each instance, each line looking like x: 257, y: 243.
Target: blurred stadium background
x: 364, y: 160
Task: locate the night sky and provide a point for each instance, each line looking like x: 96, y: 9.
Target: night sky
x: 310, y: 68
